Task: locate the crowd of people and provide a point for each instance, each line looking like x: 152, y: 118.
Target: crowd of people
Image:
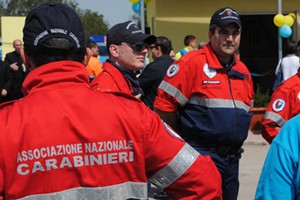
x: 178, y: 122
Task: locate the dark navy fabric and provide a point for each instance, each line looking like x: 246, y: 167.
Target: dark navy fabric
x: 215, y: 125
x: 228, y: 167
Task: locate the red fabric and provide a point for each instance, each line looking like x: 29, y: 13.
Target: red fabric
x: 191, y: 79
x: 111, y: 79
x: 288, y: 92
x: 59, y: 110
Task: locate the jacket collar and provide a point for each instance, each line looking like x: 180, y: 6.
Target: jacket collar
x: 52, y: 74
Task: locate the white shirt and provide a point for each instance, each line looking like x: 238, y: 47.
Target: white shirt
x: 289, y: 66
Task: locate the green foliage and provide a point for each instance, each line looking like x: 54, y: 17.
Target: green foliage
x: 93, y: 22
x: 261, y: 99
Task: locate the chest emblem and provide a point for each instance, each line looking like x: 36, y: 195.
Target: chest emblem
x: 173, y: 69
x: 210, y: 73
x: 278, y: 105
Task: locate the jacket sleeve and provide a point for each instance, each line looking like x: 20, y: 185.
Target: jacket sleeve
x: 279, y: 178
x: 173, y: 165
x: 277, y: 113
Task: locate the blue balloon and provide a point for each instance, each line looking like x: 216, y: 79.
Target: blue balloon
x: 285, y: 31
x: 136, y: 7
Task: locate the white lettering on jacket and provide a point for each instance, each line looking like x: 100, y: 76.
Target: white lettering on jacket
x: 74, y: 155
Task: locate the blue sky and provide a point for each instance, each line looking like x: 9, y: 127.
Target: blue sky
x: 114, y: 11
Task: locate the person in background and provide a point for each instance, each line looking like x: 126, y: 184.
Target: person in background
x: 94, y: 66
x: 290, y: 63
x: 280, y: 177
x: 207, y: 94
x: 284, y: 104
x: 172, y: 54
x: 190, y: 44
x: 127, y: 48
x: 50, y: 150
x: 19, y: 71
x: 5, y: 81
x: 154, y: 72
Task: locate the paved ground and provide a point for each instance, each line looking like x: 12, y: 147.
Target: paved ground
x: 255, y: 150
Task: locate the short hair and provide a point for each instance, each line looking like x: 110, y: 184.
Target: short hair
x: 212, y: 28
x: 188, y: 39
x: 165, y: 44
x: 291, y: 48
x: 55, y: 49
x: 91, y: 44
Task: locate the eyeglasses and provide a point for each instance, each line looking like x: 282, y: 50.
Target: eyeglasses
x: 138, y: 47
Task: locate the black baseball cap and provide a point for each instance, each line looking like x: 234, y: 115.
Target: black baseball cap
x: 53, y: 20
x: 128, y: 32
x: 225, y: 16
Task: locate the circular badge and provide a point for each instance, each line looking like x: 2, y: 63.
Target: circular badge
x: 278, y: 105
x: 173, y: 69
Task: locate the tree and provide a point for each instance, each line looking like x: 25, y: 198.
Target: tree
x: 93, y: 22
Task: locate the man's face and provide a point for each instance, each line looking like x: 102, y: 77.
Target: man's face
x: 18, y: 45
x: 225, y: 41
x: 95, y: 51
x: 128, y: 57
x: 194, y: 44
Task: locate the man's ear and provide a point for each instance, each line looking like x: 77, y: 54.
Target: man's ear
x: 114, y: 50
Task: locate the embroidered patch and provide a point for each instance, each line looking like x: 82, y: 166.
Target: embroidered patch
x: 210, y: 73
x: 173, y: 69
x: 278, y: 105
x: 171, y: 131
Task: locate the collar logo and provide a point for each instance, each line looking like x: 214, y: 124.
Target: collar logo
x: 278, y: 105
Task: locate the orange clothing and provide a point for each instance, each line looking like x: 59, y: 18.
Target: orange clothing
x: 94, y: 67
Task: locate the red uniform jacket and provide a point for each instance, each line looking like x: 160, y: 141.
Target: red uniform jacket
x: 213, y: 103
x: 284, y: 104
x: 111, y: 79
x: 64, y: 140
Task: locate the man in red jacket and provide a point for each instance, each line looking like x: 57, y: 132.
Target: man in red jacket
x: 54, y: 146
x: 127, y: 48
x: 207, y: 94
x: 284, y: 104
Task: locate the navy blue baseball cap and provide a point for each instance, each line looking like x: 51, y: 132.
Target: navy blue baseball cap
x: 225, y: 16
x: 128, y: 32
x: 53, y: 20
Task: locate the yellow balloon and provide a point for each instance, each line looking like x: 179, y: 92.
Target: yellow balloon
x: 293, y: 16
x: 279, y: 20
x: 288, y: 20
x: 134, y: 1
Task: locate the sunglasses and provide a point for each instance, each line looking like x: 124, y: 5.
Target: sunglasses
x: 138, y: 47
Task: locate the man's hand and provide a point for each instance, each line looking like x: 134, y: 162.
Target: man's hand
x: 14, y: 66
x: 3, y: 92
